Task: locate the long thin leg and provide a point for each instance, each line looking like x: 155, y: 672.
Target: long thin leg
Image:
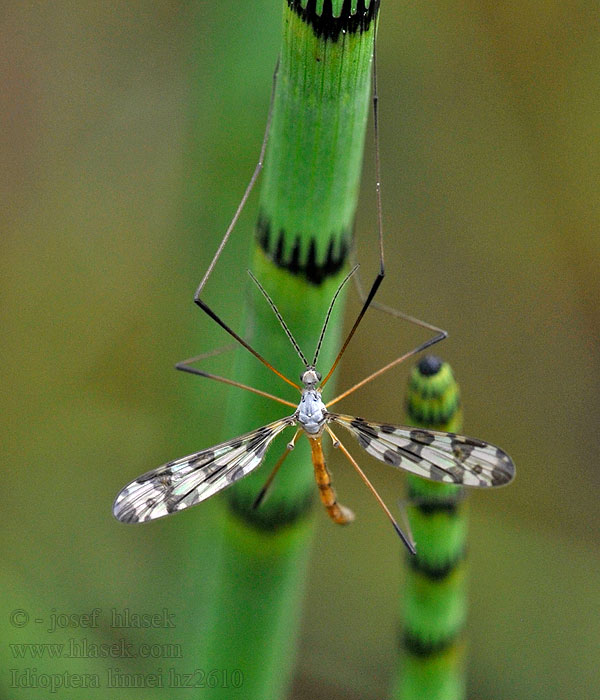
x: 402, y: 506
x: 200, y: 302
x: 391, y: 364
x: 184, y: 366
x: 368, y: 299
x: 440, y: 335
x: 288, y: 448
x: 395, y: 312
x: 337, y: 444
x: 242, y: 342
x: 249, y: 188
x: 381, y: 273
x: 377, y: 155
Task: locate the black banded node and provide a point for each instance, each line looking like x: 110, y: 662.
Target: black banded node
x: 314, y: 156
x: 331, y: 22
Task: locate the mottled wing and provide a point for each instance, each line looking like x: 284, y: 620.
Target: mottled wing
x: 194, y: 478
x: 447, y: 457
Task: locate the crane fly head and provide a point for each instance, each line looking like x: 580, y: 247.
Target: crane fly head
x: 310, y: 378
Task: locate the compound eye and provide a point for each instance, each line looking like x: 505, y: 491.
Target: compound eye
x: 318, y: 376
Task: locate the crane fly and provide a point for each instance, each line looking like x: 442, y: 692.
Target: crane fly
x: 437, y: 456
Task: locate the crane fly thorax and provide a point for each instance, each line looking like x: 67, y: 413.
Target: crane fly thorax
x: 311, y: 409
x: 311, y: 412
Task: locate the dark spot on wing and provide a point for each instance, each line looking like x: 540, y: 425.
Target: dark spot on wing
x: 363, y: 441
x: 260, y: 450
x: 474, y: 442
x: 422, y: 436
x: 460, y: 450
x: 171, y: 504
x: 255, y: 443
x: 203, y: 458
x: 435, y: 473
x: 500, y: 476
x: 456, y: 473
x: 235, y: 475
x: 392, y: 457
x: 258, y: 444
x: 128, y: 515
x: 211, y: 477
x: 364, y: 427
x: 415, y: 448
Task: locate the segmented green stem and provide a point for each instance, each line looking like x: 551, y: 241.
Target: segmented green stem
x: 307, y: 204
x: 434, y: 600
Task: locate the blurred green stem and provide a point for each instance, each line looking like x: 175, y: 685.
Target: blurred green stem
x: 434, y: 600
x: 307, y: 206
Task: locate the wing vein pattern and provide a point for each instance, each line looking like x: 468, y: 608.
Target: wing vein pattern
x: 194, y: 478
x: 446, y: 457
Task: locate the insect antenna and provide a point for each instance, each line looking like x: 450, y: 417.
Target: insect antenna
x: 329, y: 310
x: 406, y: 539
x: 381, y: 274
x: 283, y: 324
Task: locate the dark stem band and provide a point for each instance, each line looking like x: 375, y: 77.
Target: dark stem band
x: 302, y: 259
x: 417, y: 646
x: 274, y: 517
x: 326, y: 26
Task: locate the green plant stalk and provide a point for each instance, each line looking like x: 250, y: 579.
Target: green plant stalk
x: 307, y: 204
x: 435, y: 598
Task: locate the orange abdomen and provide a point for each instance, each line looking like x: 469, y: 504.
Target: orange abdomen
x: 337, y: 512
